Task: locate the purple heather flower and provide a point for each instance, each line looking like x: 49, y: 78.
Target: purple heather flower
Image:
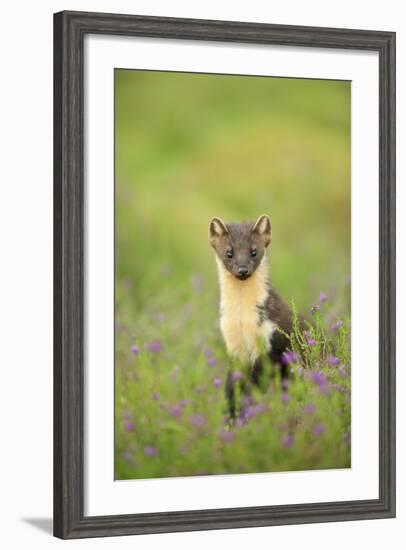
x: 332, y: 360
x: 211, y: 361
x: 184, y: 402
x: 126, y: 413
x: 315, y: 308
x: 128, y: 425
x: 309, y: 339
x: 252, y: 410
x: 226, y: 436
x: 236, y: 375
x: 319, y: 379
x: 200, y: 389
x: 287, y: 441
x: 245, y: 414
x: 156, y: 396
x: 310, y: 408
x: 319, y: 429
x: 342, y: 371
x: 155, y: 346
x: 322, y: 297
x: 217, y: 382
x: 208, y: 353
x: 198, y: 420
x: 285, y: 397
x: 337, y: 325
x: 289, y: 357
x: 135, y: 350
x: 149, y: 450
x: 300, y: 371
x: 176, y: 410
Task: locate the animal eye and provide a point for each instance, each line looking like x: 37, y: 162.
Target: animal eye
x: 253, y: 252
x: 229, y: 253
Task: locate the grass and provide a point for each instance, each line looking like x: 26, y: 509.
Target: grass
x: 189, y: 147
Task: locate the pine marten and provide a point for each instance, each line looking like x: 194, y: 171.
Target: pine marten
x: 250, y: 309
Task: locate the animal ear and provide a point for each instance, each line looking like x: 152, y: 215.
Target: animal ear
x: 217, y: 228
x: 262, y: 227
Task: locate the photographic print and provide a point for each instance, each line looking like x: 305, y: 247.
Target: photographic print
x: 232, y: 274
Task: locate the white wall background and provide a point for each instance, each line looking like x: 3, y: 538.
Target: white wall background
x: 26, y: 269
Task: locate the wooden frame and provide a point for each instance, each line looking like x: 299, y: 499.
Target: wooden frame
x: 69, y: 31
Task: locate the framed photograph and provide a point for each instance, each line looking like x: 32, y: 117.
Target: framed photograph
x: 224, y: 266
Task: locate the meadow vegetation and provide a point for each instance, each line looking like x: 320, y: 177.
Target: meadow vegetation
x: 190, y: 147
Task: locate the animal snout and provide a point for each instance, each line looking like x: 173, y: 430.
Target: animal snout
x: 243, y: 271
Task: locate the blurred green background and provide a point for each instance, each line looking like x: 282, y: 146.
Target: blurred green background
x: 193, y: 146
x: 189, y: 147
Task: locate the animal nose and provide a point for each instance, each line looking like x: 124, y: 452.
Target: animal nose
x: 243, y: 271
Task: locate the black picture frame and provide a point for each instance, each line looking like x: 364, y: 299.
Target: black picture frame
x: 70, y: 29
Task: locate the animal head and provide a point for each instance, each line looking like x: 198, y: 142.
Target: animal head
x: 240, y: 247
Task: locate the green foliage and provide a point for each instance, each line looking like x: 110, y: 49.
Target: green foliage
x: 161, y: 393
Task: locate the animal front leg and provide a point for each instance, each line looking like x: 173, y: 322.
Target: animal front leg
x: 256, y: 371
x: 230, y: 395
x: 237, y: 388
x: 279, y: 344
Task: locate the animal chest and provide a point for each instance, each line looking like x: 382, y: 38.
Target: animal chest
x: 242, y: 327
